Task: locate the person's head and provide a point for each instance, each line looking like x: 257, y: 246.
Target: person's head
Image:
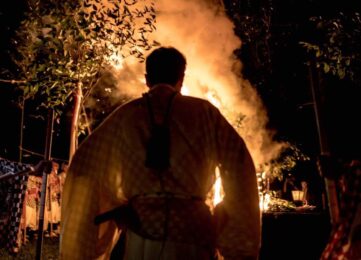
x: 165, y: 65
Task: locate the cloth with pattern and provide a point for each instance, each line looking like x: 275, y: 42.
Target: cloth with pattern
x: 32, y: 202
x: 52, y: 201
x: 12, y: 193
x: 108, y: 170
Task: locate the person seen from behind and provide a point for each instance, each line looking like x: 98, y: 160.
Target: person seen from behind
x: 146, y: 171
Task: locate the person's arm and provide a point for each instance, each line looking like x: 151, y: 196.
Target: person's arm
x: 10, y: 169
x: 239, y: 233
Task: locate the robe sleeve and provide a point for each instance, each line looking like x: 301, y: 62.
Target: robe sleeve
x: 239, y: 233
x: 92, y: 187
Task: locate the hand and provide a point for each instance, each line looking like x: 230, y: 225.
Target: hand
x: 41, y: 167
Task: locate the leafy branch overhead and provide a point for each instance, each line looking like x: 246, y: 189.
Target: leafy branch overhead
x: 63, y: 44
x: 337, y: 49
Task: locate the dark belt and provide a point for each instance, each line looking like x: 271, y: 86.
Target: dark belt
x: 123, y: 214
x: 165, y: 216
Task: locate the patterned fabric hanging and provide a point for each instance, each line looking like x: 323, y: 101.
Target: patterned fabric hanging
x: 12, y: 194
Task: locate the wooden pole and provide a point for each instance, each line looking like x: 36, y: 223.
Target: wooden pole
x: 78, y: 96
x: 47, y: 156
x: 330, y: 184
x: 21, y: 130
x: 23, y: 216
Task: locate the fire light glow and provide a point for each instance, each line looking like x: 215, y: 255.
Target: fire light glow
x: 218, y: 191
x: 213, y: 99
x: 116, y: 61
x: 264, y: 202
x: 185, y: 91
x: 202, y: 31
x: 205, y: 35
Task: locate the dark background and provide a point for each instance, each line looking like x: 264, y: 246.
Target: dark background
x: 34, y: 134
x: 276, y: 64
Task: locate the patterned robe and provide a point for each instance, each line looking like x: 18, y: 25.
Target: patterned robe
x: 32, y: 202
x: 12, y: 193
x: 52, y: 209
x: 108, y: 170
x: 52, y: 201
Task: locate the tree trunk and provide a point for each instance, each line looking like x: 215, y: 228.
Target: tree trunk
x: 330, y: 184
x: 78, y: 96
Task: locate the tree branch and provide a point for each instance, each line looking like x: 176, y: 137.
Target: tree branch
x: 12, y: 81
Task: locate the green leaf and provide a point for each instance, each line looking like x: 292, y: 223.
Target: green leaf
x: 26, y: 90
x: 326, y: 67
x: 341, y: 73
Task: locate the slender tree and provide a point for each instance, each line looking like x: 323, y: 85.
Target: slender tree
x: 62, y: 47
x: 337, y: 50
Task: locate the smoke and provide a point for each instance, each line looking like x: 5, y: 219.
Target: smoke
x: 204, y: 34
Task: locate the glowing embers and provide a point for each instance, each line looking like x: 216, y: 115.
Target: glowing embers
x: 263, y: 191
x: 264, y: 201
x: 213, y: 98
